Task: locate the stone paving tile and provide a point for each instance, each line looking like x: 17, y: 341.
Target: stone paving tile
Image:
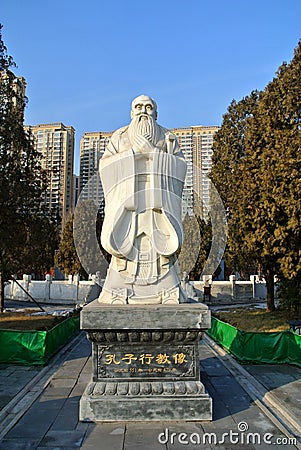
x: 19, y: 444
x: 13, y: 379
x: 227, y: 400
x: 290, y: 395
x: 79, y: 388
x: 220, y: 419
x: 37, y: 420
x: 213, y: 367
x: 58, y: 392
x: 263, y: 446
x: 83, y: 426
x: 141, y: 436
x: 256, y: 421
x: 64, y: 438
x: 253, y: 412
x: 67, y: 419
x: 5, y: 370
x: 281, y: 373
x: 61, y: 383
x: 58, y: 448
x: 66, y: 372
x: 83, y: 379
x: 5, y: 399
x: 104, y: 437
x: 236, y: 404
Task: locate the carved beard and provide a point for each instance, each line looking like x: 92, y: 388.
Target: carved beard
x: 145, y: 126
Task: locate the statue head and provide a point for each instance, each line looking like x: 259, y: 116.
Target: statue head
x: 144, y: 105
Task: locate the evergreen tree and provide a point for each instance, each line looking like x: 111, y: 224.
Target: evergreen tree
x: 22, y: 179
x: 256, y: 168
x: 41, y: 239
x: 66, y: 258
x: 80, y: 250
x: 274, y: 160
x: 229, y: 149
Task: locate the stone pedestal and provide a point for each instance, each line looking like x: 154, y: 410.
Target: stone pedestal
x: 145, y: 363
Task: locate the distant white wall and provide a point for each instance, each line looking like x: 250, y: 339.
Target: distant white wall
x: 232, y: 290
x: 71, y: 292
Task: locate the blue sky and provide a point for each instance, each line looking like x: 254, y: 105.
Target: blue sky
x: 85, y: 61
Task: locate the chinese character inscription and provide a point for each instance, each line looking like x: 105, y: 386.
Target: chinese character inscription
x: 173, y: 361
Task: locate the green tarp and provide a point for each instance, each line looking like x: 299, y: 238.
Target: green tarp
x: 35, y: 347
x: 257, y: 347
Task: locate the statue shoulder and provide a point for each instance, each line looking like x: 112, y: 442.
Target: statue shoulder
x: 168, y: 133
x: 163, y: 129
x: 118, y: 135
x: 119, y: 132
x: 116, y: 142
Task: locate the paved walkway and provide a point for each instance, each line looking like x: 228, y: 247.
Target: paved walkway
x: 39, y: 407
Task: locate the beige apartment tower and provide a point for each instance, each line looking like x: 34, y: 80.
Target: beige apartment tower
x: 92, y: 147
x: 55, y: 142
x: 18, y: 85
x: 196, y: 144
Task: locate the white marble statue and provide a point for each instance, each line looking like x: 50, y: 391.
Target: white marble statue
x: 142, y: 173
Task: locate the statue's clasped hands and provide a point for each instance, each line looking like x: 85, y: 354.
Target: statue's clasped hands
x: 142, y: 145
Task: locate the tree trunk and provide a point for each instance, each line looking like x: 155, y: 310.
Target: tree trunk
x: 1, y: 292
x: 269, y: 278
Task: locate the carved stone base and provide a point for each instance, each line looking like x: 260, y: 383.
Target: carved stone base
x: 144, y: 401
x: 145, y: 363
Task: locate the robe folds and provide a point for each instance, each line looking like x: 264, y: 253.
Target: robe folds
x: 119, y: 175
x: 142, y: 228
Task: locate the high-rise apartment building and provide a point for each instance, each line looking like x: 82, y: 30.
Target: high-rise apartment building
x: 92, y: 147
x: 18, y: 85
x: 196, y: 144
x: 55, y: 142
x: 185, y: 138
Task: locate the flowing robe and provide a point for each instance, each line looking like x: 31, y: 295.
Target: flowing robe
x: 142, y: 225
